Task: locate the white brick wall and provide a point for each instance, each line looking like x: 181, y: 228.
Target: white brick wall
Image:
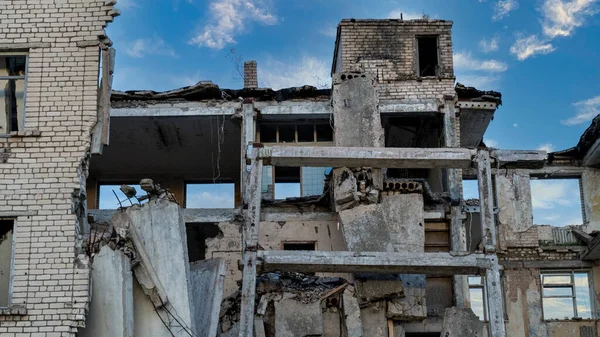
x: 41, y: 174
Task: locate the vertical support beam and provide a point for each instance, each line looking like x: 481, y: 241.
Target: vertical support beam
x: 250, y: 243
x: 248, y: 137
x: 101, y: 130
x: 453, y: 182
x: 486, y: 201
x: 495, y: 299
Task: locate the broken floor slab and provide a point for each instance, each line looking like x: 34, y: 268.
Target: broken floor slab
x: 461, y: 323
x: 207, y: 279
x: 374, y: 290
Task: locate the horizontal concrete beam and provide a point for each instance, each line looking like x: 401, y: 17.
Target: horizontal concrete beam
x: 191, y: 215
x: 477, y: 105
x: 296, y: 156
x: 177, y: 109
x: 295, y: 109
x: 518, y: 158
x: 373, y: 262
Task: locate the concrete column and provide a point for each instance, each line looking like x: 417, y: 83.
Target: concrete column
x: 111, y: 308
x: 207, y: 279
x: 591, y: 198
x: 458, y: 235
x: 248, y: 137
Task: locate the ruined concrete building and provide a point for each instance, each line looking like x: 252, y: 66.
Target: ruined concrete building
x: 338, y: 213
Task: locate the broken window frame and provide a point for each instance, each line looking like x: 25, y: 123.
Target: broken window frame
x: 417, y: 62
x: 12, y: 261
x: 296, y: 141
x: 125, y: 201
x: 573, y: 286
x: 479, y: 286
x: 536, y: 177
x: 21, y: 122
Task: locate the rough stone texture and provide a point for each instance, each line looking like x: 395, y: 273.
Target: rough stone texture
x: 412, y: 307
x: 352, y: 313
x: 43, y: 168
x: 111, y: 309
x: 206, y: 278
x: 161, y: 227
x: 461, y: 323
x: 250, y: 75
x: 295, y: 319
x: 395, y: 225
x: 374, y: 321
x: 357, y: 119
x: 374, y: 290
x: 345, y: 194
x: 591, y: 198
x: 233, y: 332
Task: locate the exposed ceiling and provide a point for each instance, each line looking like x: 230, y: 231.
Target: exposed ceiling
x: 184, y: 147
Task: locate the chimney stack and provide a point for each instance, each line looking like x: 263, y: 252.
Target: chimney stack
x: 250, y: 75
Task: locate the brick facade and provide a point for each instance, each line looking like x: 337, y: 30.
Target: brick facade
x: 364, y: 45
x: 42, y: 180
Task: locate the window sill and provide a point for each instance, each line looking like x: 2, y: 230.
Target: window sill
x: 13, y: 310
x: 25, y: 133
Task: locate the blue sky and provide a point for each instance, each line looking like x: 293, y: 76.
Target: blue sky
x: 540, y: 54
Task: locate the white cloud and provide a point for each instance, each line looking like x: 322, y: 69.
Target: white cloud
x: 556, y: 202
x: 503, y: 8
x: 481, y: 82
x: 464, y: 61
x: 491, y: 143
x: 548, y: 147
x: 155, y: 46
x: 210, y: 200
x: 515, y: 125
x: 229, y: 18
x: 309, y: 70
x: 488, y: 46
x: 561, y: 17
x: 525, y: 47
x: 396, y: 13
x: 586, y: 111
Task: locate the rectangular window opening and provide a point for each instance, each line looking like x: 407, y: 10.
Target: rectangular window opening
x: 306, y: 133
x: 13, y: 69
x: 477, y: 296
x: 210, y: 196
x: 110, y: 196
x: 567, y: 295
x: 287, y: 133
x: 311, y: 245
x: 6, y: 260
x: 287, y: 182
x: 556, y: 202
x: 197, y: 236
x: 324, y: 133
x: 268, y: 133
x: 428, y: 55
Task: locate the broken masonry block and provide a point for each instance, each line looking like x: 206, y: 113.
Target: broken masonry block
x: 461, y: 322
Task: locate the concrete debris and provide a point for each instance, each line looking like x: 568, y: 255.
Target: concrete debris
x: 352, y: 313
x: 296, y: 319
x: 374, y: 321
x: 129, y: 191
x: 461, y: 322
x: 374, y: 290
x: 413, y: 306
x: 155, y: 191
x: 465, y: 93
x: 305, y: 288
x: 356, y: 186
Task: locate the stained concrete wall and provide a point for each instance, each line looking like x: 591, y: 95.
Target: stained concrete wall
x: 161, y: 227
x: 111, y: 308
x: 207, y: 279
x: 325, y: 233
x: 591, y: 197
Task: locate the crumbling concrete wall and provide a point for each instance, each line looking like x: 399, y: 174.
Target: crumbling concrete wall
x: 326, y: 234
x: 591, y: 197
x: 206, y: 278
x: 367, y: 46
x: 111, y: 309
x: 39, y: 166
x: 524, y: 303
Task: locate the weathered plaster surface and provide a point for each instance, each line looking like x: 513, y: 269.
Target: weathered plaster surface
x: 591, y: 197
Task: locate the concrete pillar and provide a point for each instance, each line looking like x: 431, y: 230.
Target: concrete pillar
x: 250, y: 75
x: 207, y: 279
x: 111, y: 308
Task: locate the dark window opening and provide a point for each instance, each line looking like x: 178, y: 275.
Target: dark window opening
x: 6, y: 249
x: 299, y: 245
x: 197, y: 234
x: 306, y: 133
x: 12, y: 92
x: 268, y: 133
x: 428, y: 55
x: 287, y: 134
x: 423, y: 334
x: 324, y: 133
